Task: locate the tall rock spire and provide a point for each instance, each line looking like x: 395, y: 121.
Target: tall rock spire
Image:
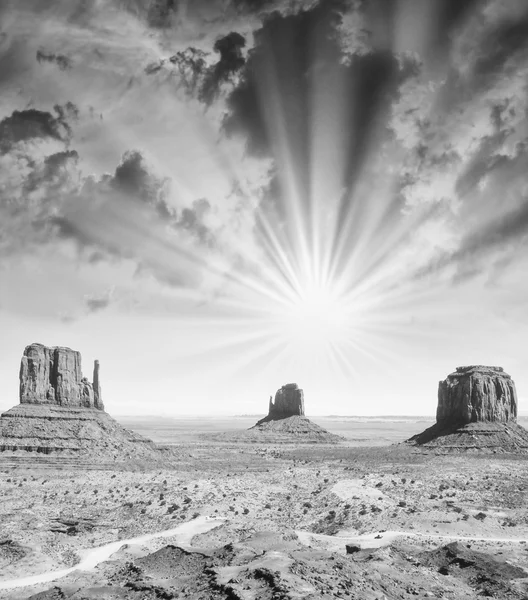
x: 98, y: 399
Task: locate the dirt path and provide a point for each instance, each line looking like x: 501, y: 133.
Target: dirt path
x: 385, y: 538
x: 93, y: 556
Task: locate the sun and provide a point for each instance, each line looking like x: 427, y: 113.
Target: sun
x: 317, y: 315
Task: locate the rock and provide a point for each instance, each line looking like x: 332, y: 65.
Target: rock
x: 98, y: 398
x: 286, y: 422
x: 289, y: 401
x: 54, y: 376
x: 61, y: 413
x: 352, y: 548
x: 476, y: 393
x: 477, y: 411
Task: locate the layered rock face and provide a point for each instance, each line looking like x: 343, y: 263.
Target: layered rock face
x: 477, y: 410
x: 61, y: 413
x: 54, y: 376
x: 477, y: 393
x: 289, y: 401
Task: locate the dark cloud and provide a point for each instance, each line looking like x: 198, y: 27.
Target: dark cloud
x: 134, y: 180
x: 505, y: 40
x: 450, y: 15
x: 97, y: 302
x: 252, y: 6
x: 231, y: 61
x: 191, y: 65
x: 53, y: 172
x: 62, y: 61
x: 159, y: 14
x: 33, y: 124
x: 192, y: 219
x: 198, y: 78
x: 297, y: 70
x: 30, y: 124
x: 126, y: 216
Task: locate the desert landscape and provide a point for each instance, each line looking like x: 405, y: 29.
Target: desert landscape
x: 212, y: 513
x: 290, y: 240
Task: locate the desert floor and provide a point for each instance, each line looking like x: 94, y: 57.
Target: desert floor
x: 255, y: 522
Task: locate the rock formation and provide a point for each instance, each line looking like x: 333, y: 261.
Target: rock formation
x: 286, y: 421
x: 54, y: 376
x: 477, y: 409
x: 476, y: 393
x: 289, y: 401
x: 61, y: 412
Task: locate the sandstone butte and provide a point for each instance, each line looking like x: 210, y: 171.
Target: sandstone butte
x: 477, y: 410
x: 286, y: 421
x: 61, y: 413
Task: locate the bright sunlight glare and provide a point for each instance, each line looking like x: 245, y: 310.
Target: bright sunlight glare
x: 318, y: 315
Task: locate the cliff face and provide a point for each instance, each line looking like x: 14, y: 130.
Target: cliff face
x: 289, y: 402
x: 54, y: 376
x: 62, y: 413
x: 476, y: 393
x: 477, y: 411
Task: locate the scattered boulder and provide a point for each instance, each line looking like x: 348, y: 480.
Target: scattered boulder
x: 477, y: 410
x: 486, y: 574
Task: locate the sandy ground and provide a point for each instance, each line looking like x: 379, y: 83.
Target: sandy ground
x: 282, y: 519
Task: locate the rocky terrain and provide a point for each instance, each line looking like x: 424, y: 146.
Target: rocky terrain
x: 62, y: 413
x: 477, y: 411
x: 273, y: 522
x: 274, y: 519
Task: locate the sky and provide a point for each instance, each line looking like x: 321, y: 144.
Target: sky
x: 218, y: 197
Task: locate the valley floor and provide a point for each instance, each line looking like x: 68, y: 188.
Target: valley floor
x: 270, y: 523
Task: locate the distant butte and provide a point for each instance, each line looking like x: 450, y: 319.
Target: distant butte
x: 289, y: 402
x: 477, y: 410
x: 61, y: 413
x: 286, y: 421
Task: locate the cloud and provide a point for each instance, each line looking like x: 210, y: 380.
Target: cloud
x: 97, y: 302
x: 63, y: 62
x: 31, y: 124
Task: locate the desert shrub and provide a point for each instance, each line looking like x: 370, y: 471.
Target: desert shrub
x: 246, y: 511
x: 268, y: 505
x: 187, y: 500
x: 307, y: 505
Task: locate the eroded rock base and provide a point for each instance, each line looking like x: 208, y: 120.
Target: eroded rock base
x: 296, y: 429
x: 89, y: 434
x: 484, y: 436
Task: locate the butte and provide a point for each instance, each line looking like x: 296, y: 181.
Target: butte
x: 286, y: 421
x: 61, y: 413
x: 477, y: 411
